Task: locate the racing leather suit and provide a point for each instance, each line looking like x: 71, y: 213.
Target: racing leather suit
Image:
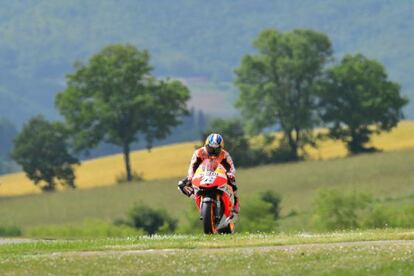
x: 201, y: 154
x: 224, y: 159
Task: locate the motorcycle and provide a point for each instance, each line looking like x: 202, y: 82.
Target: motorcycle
x: 213, y: 197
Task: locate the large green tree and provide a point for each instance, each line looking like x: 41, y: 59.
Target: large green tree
x: 277, y: 83
x: 42, y: 149
x: 357, y: 100
x: 114, y: 99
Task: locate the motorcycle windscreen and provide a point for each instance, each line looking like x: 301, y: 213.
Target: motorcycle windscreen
x: 210, y: 174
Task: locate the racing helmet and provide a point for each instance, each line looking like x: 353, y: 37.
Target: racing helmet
x: 214, y: 144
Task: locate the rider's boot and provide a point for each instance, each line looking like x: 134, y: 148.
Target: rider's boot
x: 236, y: 207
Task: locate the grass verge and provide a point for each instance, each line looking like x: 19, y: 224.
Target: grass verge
x: 241, y: 254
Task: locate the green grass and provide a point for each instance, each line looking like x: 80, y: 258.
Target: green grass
x: 175, y: 241
x: 234, y: 255
x: 87, y: 229
x: 388, y: 176
x: 368, y: 260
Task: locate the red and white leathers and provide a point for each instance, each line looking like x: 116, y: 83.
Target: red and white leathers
x: 223, y: 158
x: 201, y: 154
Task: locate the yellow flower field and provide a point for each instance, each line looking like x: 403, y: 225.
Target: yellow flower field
x: 399, y: 138
x: 161, y: 162
x: 172, y: 161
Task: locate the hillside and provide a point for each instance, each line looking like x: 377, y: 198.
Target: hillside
x: 389, y: 177
x: 191, y: 40
x: 171, y: 162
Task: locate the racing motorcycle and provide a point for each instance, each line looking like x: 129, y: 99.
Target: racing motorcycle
x: 213, y: 196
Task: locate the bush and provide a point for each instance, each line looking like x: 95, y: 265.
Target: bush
x: 257, y: 215
x: 378, y: 218
x: 335, y: 210
x: 274, y: 199
x: 10, y: 231
x: 403, y: 217
x: 151, y: 220
x: 382, y: 216
x: 192, y: 223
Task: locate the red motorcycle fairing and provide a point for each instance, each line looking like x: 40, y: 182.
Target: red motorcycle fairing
x: 212, y: 175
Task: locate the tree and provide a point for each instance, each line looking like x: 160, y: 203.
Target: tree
x: 114, y: 99
x: 42, y: 149
x: 357, y: 100
x: 278, y: 83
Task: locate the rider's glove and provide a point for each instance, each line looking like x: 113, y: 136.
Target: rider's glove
x: 231, y: 177
x: 185, y: 186
x: 232, y: 181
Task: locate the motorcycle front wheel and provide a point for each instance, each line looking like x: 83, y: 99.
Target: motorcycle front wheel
x: 207, y: 213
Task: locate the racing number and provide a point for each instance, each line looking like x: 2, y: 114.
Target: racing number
x: 208, y: 179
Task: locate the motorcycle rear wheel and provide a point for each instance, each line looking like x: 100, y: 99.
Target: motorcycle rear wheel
x: 207, y: 212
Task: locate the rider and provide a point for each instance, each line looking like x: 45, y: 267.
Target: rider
x: 213, y: 148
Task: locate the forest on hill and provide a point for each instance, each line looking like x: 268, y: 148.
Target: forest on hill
x: 40, y: 40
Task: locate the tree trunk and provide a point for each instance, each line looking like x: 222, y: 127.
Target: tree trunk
x: 50, y: 185
x: 357, y: 143
x: 126, y: 151
x: 293, y: 146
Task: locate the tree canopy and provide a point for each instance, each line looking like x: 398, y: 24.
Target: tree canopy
x: 277, y: 84
x: 358, y: 99
x: 42, y: 149
x: 114, y: 99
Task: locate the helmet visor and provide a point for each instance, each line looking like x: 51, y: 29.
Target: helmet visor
x: 213, y: 150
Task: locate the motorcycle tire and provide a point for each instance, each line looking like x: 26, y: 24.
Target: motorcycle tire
x: 207, y: 213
